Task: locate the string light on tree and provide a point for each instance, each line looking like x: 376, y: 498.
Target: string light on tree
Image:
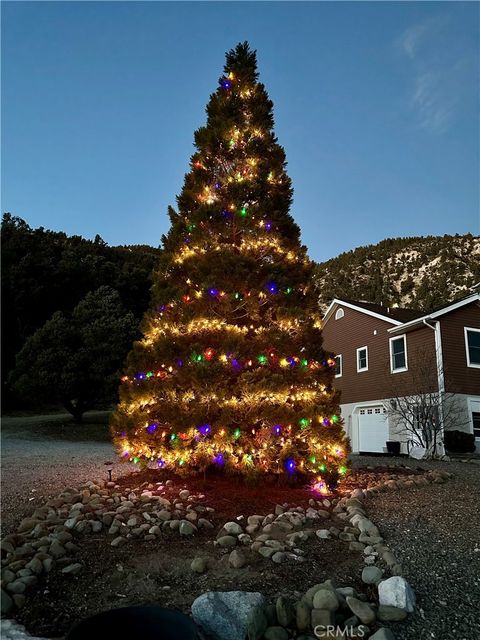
x: 231, y: 372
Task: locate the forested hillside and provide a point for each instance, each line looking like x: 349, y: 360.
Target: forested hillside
x: 45, y: 271
x: 417, y: 273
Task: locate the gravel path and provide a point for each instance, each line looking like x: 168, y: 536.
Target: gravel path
x: 435, y: 532
x: 35, y: 469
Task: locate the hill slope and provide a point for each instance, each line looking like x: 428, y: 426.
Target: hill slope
x: 417, y: 273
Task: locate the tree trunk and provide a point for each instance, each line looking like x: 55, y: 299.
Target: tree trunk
x: 76, y: 409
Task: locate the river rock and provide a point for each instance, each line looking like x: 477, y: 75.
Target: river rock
x: 322, y: 617
x: 278, y: 557
x: 396, y: 592
x: 285, y: 611
x: 16, y: 587
x: 323, y: 534
x: 199, y: 565
x: 203, y: 523
x: 237, y: 559
x: 233, y: 528
x: 256, y: 623
x: 187, y: 528
x: 224, y: 614
x: 386, y: 613
x: 326, y: 599
x: 371, y: 575
x: 7, y: 603
x: 266, y: 552
x: 227, y: 541
x: 72, y: 569
x: 303, y: 615
x: 119, y: 541
x: 362, y: 610
x: 27, y: 524
x: 276, y: 633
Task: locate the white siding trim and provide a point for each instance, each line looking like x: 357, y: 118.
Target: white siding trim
x: 365, y: 311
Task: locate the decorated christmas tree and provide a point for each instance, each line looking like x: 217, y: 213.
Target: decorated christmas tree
x: 231, y: 372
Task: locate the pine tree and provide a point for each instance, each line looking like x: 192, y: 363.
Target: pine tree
x: 231, y: 372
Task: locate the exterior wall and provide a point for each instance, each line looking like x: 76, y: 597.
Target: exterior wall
x: 357, y: 329
x: 459, y: 378
x: 463, y: 410
x: 350, y: 413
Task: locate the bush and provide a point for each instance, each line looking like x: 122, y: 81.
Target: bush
x: 459, y: 441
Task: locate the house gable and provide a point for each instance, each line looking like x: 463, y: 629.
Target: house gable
x: 359, y: 328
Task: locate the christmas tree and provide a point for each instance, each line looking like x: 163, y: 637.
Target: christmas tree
x: 231, y: 372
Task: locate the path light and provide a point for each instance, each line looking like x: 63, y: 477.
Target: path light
x: 109, y: 467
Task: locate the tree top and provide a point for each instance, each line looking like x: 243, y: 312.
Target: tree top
x: 242, y: 60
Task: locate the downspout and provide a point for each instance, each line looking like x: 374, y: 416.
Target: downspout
x: 440, y: 373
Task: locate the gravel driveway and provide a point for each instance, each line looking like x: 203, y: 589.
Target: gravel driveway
x: 434, y: 531
x: 34, y: 468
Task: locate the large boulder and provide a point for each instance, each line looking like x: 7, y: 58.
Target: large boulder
x: 396, y: 592
x: 224, y: 614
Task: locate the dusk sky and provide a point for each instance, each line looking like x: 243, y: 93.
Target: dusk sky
x: 376, y: 105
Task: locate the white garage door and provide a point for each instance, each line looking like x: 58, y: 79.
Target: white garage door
x: 372, y: 429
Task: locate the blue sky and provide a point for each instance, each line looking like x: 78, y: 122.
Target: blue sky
x: 376, y: 105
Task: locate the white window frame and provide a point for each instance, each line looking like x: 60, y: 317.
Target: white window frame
x: 365, y: 348
x: 339, y: 313
x: 339, y: 375
x: 465, y: 333
x: 405, y: 368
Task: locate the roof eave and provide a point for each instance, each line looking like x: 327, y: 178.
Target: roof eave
x: 379, y: 316
x: 407, y: 326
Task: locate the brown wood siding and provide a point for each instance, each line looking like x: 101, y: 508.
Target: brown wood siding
x: 357, y: 329
x: 459, y: 378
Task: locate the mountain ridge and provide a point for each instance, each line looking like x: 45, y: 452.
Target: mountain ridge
x: 419, y: 272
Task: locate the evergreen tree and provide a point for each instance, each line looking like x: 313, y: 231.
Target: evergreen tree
x: 74, y: 358
x: 231, y: 371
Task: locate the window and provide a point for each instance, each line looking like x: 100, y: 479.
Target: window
x: 338, y: 366
x: 472, y: 346
x: 398, y: 354
x: 476, y: 423
x: 362, y: 359
x: 340, y: 313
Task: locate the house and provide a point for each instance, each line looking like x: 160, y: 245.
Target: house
x: 379, y: 351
